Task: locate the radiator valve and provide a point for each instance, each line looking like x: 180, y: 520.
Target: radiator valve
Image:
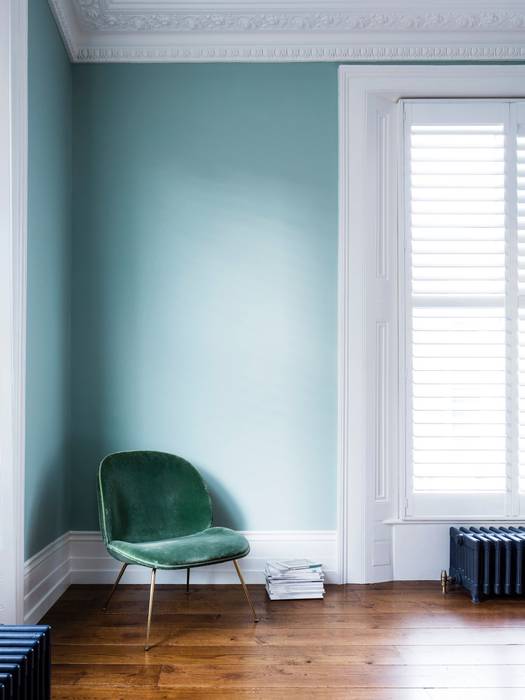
x: 445, y: 580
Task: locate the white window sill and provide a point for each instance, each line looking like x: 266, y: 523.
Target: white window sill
x: 452, y: 520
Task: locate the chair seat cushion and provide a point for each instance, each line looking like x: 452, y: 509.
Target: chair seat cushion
x: 211, y: 545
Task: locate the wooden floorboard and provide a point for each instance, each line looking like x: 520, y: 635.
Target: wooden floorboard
x: 382, y: 642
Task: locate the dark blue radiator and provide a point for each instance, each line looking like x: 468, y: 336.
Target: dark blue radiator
x: 25, y: 662
x: 487, y: 561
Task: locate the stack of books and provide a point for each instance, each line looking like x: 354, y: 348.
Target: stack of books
x: 294, y: 579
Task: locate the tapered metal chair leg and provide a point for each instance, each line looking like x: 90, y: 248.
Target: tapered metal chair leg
x: 245, y: 589
x: 121, y: 573
x: 187, y: 580
x: 150, y: 609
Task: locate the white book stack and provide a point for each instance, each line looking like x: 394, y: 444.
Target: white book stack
x: 294, y: 579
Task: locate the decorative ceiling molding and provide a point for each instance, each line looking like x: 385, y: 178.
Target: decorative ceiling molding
x: 307, y: 30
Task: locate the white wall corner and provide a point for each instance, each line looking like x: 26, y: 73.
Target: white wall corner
x: 80, y: 557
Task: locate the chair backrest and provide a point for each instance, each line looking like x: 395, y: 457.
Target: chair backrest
x: 145, y: 496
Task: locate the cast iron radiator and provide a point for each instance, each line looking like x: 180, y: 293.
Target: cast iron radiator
x: 25, y: 662
x: 487, y: 561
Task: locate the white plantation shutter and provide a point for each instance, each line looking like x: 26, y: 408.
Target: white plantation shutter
x: 464, y: 280
x: 519, y: 119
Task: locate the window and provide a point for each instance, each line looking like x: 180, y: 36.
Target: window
x: 384, y: 300
x: 463, y: 307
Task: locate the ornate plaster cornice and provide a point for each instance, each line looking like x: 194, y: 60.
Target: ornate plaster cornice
x: 146, y: 30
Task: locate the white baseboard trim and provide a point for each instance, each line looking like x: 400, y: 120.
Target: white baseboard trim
x: 47, y: 574
x: 90, y: 562
x: 80, y: 557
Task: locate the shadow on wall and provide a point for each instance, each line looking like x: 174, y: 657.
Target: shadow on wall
x: 226, y: 511
x: 45, y: 524
x: 204, y: 295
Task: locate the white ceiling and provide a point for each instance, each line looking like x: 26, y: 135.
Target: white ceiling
x: 290, y: 30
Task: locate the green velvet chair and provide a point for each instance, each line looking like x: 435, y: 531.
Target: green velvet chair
x: 155, y: 511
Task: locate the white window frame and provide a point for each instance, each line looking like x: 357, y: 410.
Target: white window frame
x: 370, y: 451
x: 500, y: 505
x: 13, y: 217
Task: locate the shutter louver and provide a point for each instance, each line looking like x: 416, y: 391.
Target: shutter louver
x: 456, y: 288
x: 520, y: 202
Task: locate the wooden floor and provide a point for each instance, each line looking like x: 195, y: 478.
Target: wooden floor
x: 389, y: 641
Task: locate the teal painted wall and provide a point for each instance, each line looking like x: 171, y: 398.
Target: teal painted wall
x: 194, y: 307
x: 205, y: 272
x: 48, y: 294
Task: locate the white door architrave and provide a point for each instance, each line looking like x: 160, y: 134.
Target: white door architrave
x: 13, y: 230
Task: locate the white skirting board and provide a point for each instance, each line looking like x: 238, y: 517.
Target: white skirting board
x: 47, y: 574
x: 80, y: 557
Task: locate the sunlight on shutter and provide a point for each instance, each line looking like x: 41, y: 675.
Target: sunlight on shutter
x: 457, y: 284
x: 520, y: 168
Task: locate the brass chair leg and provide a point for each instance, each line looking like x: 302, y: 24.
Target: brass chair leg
x: 188, y: 580
x: 151, y: 592
x: 121, y: 573
x: 245, y: 589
